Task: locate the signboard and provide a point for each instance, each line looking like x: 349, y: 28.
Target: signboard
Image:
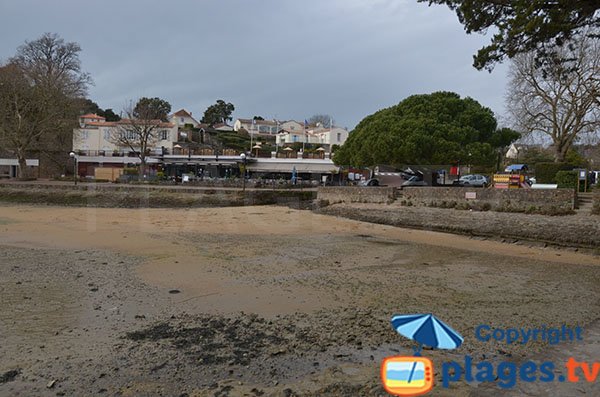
x: 470, y: 195
x: 582, y: 175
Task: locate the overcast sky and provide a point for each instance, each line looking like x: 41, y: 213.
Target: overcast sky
x: 287, y: 59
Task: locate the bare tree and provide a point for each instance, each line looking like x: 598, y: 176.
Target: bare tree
x: 140, y: 130
x: 39, y: 92
x: 53, y: 64
x: 557, y: 96
x: 325, y: 120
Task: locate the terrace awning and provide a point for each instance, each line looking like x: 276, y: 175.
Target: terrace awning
x: 301, y: 168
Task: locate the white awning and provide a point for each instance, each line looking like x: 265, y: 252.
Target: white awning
x: 30, y: 162
x: 289, y: 167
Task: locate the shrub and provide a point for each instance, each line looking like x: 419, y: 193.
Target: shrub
x: 566, y: 179
x: 463, y: 206
x: 546, y: 172
x: 130, y: 171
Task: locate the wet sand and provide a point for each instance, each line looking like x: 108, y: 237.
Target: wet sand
x: 150, y: 301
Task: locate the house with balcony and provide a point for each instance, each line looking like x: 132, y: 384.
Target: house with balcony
x: 326, y: 137
x: 96, y: 143
x: 257, y: 127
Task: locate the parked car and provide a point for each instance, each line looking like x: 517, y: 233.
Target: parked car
x: 415, y: 181
x: 473, y: 180
x: 369, y: 182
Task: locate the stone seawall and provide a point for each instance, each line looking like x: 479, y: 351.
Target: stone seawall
x: 128, y: 196
x: 357, y: 194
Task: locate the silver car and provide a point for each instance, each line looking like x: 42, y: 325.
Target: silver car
x: 473, y: 180
x: 415, y: 181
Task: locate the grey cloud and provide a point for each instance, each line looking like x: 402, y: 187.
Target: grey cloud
x: 272, y: 57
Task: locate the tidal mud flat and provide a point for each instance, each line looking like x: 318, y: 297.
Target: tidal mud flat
x: 255, y: 300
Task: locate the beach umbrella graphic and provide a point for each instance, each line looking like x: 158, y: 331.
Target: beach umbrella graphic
x: 427, y: 330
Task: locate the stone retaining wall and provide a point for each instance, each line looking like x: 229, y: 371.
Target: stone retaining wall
x: 496, y: 199
x: 356, y: 194
x: 511, y: 200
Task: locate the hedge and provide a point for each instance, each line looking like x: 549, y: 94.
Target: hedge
x: 568, y: 180
x: 546, y: 172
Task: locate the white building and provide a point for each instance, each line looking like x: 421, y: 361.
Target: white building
x: 183, y: 117
x: 321, y: 136
x: 269, y: 127
x: 95, y: 137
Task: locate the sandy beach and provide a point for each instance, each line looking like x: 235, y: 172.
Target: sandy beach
x: 255, y: 300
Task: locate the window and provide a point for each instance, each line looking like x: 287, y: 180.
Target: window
x: 295, y: 138
x: 164, y: 135
x: 182, y: 120
x: 339, y: 136
x: 128, y: 135
x: 107, y: 135
x: 85, y: 134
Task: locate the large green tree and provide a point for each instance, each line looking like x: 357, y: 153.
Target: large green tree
x: 89, y: 106
x: 152, y: 109
x: 438, y: 128
x: 521, y: 26
x: 220, y: 112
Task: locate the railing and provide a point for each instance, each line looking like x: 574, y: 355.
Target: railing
x: 105, y: 153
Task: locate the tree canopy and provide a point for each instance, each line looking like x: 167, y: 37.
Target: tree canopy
x: 89, y: 106
x: 220, y: 112
x: 152, y: 109
x: 324, y: 120
x: 438, y: 128
x: 560, y: 99
x: 40, y: 96
x: 522, y: 25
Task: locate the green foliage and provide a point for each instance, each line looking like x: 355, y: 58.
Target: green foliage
x: 130, y: 171
x: 546, y: 172
x: 232, y: 140
x: 574, y: 158
x: 566, y: 179
x: 89, y: 106
x: 152, y: 109
x: 521, y: 25
x: 439, y: 128
x: 218, y: 113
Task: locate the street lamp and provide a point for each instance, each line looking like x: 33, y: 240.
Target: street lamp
x: 74, y: 157
x: 243, y: 157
